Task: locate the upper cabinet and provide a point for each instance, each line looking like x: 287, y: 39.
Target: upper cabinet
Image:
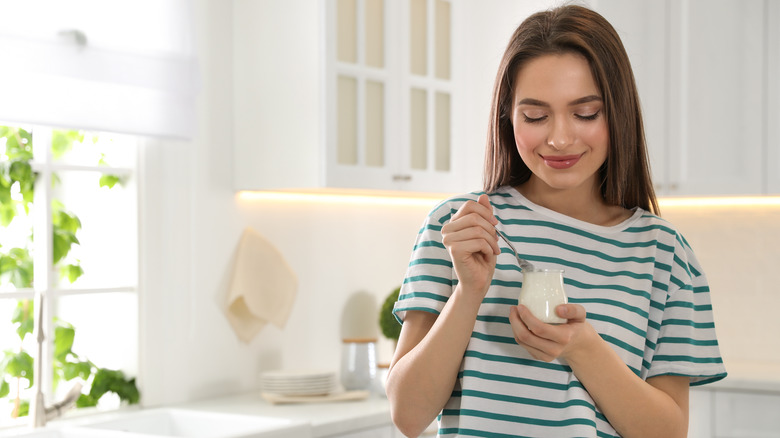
x: 707, y: 73
x: 344, y: 94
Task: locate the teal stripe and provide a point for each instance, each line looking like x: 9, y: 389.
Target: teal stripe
x: 617, y: 322
x: 616, y: 287
x: 688, y: 341
x: 429, y: 261
x: 689, y: 305
x: 517, y: 361
x: 612, y: 303
x: 428, y: 295
x: 428, y: 244
x: 688, y: 323
x: 579, y: 250
x: 682, y: 358
x: 499, y: 300
x: 591, y: 236
x: 494, y: 338
x: 517, y: 419
x: 521, y: 380
x: 527, y: 401
x: 431, y: 278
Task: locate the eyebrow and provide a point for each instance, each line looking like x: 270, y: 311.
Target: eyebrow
x: 581, y: 100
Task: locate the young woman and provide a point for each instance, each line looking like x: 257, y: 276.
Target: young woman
x: 567, y: 179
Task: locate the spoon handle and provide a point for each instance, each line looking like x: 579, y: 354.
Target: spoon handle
x: 525, y: 265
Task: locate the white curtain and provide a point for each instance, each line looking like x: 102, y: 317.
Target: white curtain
x: 121, y: 66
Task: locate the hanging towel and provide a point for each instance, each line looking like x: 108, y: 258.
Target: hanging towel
x: 262, y: 287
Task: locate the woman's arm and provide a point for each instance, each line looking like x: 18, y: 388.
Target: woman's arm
x: 657, y: 407
x: 430, y: 349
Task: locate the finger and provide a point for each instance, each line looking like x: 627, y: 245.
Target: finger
x: 530, y: 332
x: 572, y: 312
x: 484, y: 200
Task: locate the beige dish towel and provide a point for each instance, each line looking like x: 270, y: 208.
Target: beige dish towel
x: 262, y: 288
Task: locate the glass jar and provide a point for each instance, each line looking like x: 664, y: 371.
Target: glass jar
x: 542, y: 292
x: 358, y: 363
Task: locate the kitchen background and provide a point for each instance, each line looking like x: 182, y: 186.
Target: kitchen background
x: 192, y: 219
x: 703, y: 142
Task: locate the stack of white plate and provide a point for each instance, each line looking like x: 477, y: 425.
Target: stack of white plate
x: 298, y: 382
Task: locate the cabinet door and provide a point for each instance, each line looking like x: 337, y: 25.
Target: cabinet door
x: 715, y: 97
x: 773, y: 98
x: 740, y: 414
x: 643, y: 27
x: 389, y: 95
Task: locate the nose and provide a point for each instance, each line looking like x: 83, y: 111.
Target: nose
x: 561, y: 135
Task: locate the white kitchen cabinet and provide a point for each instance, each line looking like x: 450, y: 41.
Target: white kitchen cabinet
x: 700, y: 413
x: 704, y: 72
x: 745, y: 414
x: 343, y: 94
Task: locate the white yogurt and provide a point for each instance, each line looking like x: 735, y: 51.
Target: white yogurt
x: 542, y: 292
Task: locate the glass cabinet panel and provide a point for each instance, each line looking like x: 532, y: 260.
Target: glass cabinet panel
x: 375, y: 32
x: 346, y: 18
x: 418, y: 129
x: 375, y: 126
x: 347, y: 120
x: 442, y: 39
x: 442, y: 131
x: 418, y: 37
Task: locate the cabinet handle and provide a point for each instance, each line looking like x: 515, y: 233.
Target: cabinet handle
x: 402, y: 177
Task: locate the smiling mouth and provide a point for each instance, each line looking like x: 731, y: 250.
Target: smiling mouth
x: 562, y: 162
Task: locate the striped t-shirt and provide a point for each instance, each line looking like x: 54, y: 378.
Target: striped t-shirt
x: 639, y: 281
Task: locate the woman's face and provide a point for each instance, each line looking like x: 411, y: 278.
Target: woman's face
x: 559, y: 123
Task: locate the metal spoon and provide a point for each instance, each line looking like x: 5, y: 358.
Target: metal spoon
x: 525, y: 265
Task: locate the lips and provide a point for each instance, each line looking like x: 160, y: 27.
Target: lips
x: 561, y: 162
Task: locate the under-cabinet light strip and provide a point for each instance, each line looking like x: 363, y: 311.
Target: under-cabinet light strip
x: 431, y: 200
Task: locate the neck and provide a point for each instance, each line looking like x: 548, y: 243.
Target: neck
x: 584, y: 203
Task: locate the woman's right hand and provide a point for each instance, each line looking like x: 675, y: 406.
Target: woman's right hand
x: 471, y: 240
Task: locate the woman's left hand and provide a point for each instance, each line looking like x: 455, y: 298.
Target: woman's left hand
x: 548, y: 341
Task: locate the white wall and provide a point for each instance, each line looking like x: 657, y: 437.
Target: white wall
x: 191, y: 221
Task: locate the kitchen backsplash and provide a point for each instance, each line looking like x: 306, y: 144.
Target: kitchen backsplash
x: 739, y: 248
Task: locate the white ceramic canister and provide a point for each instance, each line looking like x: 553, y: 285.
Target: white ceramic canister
x: 542, y: 292
x: 358, y: 363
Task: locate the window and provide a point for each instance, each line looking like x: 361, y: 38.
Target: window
x: 68, y: 231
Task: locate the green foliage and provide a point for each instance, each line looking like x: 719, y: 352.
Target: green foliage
x: 109, y: 181
x: 110, y: 381
x: 17, y: 189
x: 391, y: 329
x: 22, y: 318
x: 19, y: 364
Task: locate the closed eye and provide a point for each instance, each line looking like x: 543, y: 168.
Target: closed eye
x: 588, y: 117
x: 534, y: 119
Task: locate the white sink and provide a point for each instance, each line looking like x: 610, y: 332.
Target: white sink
x: 70, y: 432
x: 170, y: 422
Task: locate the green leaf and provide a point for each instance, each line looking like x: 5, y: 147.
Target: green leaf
x: 71, y: 272
x: 109, y: 181
x: 63, y: 340
x: 20, y: 365
x: 71, y: 370
x: 23, y: 316
x: 5, y: 389
x: 86, y: 401
x: 62, y: 141
x: 20, y: 170
x: 24, y: 408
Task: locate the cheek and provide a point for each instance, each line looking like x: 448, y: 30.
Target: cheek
x: 528, y: 138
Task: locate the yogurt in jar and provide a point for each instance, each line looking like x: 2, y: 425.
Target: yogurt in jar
x: 542, y: 292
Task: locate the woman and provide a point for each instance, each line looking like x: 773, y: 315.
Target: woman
x: 567, y: 179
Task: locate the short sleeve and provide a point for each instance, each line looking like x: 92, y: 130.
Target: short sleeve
x: 430, y: 277
x: 687, y: 344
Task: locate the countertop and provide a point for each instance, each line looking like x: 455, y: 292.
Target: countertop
x: 325, y: 419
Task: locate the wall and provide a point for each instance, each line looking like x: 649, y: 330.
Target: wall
x: 191, y: 221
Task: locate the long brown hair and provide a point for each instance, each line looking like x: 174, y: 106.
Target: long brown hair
x: 625, y: 176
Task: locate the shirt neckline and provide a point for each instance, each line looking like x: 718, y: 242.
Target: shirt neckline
x: 638, y: 212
